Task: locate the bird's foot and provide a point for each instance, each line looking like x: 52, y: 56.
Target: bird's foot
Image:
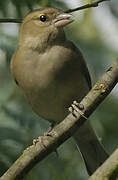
x: 76, y: 108
x: 39, y: 139
x: 47, y: 133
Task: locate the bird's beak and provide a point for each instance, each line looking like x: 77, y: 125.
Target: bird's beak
x: 63, y: 19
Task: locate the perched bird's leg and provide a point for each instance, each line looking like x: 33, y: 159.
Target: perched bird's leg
x: 47, y: 133
x: 76, y: 108
x: 39, y: 139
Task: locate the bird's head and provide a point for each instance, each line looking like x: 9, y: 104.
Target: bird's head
x: 43, y: 27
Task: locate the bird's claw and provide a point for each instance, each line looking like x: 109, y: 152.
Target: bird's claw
x: 39, y: 139
x: 47, y: 133
x: 76, y: 108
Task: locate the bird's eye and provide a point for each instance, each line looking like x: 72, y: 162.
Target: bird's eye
x: 43, y: 18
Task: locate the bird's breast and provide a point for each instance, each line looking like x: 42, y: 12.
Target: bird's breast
x: 51, y: 82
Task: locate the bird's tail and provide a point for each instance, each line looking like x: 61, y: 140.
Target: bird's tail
x: 92, y: 151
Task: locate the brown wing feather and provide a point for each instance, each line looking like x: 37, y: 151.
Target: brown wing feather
x: 84, y: 67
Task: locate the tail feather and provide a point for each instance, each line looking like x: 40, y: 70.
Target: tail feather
x: 91, y: 149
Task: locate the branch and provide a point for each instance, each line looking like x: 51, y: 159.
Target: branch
x: 94, y: 4
x: 108, y: 170
x: 10, y: 20
x: 60, y: 133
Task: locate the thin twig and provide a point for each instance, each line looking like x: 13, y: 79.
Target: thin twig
x: 94, y: 4
x: 9, y: 20
x: 60, y: 133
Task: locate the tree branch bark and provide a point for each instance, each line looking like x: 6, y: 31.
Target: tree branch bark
x: 60, y: 133
x: 86, y: 6
x: 108, y: 170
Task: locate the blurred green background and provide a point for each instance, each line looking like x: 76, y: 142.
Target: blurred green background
x: 95, y: 32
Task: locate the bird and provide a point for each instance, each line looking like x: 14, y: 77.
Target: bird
x: 52, y: 73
